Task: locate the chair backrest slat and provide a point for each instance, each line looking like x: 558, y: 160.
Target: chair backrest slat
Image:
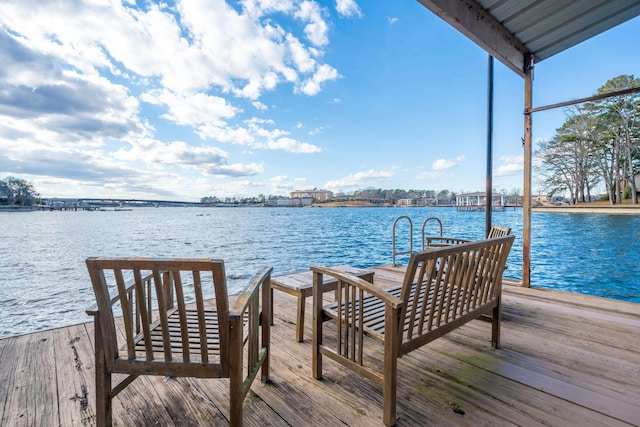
x: 222, y: 301
x: 417, y: 309
x: 202, y: 326
x: 127, y: 312
x: 105, y: 314
x: 145, y: 313
x: 163, y: 306
x: 176, y: 280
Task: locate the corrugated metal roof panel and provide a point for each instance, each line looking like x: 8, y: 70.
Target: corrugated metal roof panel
x: 547, y: 27
x: 514, y: 30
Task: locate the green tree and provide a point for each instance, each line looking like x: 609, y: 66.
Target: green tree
x: 620, y: 114
x: 17, y: 191
x: 599, y: 141
x: 444, y: 195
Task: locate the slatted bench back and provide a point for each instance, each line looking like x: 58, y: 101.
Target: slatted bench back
x: 445, y: 287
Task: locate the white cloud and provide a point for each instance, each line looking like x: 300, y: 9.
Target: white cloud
x: 430, y: 175
x: 210, y: 44
x: 512, y: 159
x: 348, y: 8
x: 259, y: 106
x: 511, y: 165
x: 316, y: 30
x: 176, y: 153
x: 312, y: 86
x: 78, y: 80
x: 359, y: 179
x: 256, y: 135
x: 289, y: 144
x: 300, y: 55
x: 258, y: 8
x: 236, y: 169
x: 192, y: 109
x: 444, y: 164
x: 393, y: 20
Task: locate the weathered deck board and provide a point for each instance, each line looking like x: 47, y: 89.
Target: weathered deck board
x: 13, y: 354
x: 565, y: 359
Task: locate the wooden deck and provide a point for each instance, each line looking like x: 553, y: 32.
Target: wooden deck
x: 566, y: 359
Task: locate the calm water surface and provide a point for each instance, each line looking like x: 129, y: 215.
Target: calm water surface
x: 45, y: 283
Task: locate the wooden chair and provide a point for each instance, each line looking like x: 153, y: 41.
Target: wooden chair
x: 443, y: 288
x: 161, y: 333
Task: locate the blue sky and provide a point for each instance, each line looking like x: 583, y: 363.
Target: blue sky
x: 180, y: 100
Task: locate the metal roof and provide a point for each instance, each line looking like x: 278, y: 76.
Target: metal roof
x: 513, y: 30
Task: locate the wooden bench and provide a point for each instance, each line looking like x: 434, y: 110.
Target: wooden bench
x: 443, y: 288
x: 300, y: 285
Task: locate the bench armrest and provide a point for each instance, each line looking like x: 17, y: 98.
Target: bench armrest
x: 238, y: 308
x: 357, y: 282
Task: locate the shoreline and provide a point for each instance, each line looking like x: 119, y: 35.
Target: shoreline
x: 608, y: 210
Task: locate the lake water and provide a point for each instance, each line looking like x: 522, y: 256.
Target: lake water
x: 45, y: 283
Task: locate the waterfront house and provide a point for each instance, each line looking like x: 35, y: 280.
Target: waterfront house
x: 477, y: 201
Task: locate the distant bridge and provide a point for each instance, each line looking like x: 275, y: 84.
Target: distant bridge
x: 94, y: 203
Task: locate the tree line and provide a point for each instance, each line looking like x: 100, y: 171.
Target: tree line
x: 373, y: 195
x: 598, y: 143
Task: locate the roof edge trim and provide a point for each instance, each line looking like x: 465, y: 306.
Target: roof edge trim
x: 478, y: 25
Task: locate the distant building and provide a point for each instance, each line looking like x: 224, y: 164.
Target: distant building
x: 322, y: 195
x: 477, y: 201
x: 282, y: 202
x: 405, y: 202
x: 426, y: 201
x: 301, y: 201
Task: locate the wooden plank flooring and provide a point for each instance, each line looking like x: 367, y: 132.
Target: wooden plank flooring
x: 565, y: 360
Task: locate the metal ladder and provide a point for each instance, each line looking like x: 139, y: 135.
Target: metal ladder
x: 393, y: 237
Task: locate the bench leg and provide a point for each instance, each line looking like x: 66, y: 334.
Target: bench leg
x: 316, y: 337
x: 390, y: 375
x: 265, y: 329
x: 271, y: 308
x: 390, y: 384
x: 236, y: 395
x: 495, y: 326
x: 300, y: 321
x: 103, y: 383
